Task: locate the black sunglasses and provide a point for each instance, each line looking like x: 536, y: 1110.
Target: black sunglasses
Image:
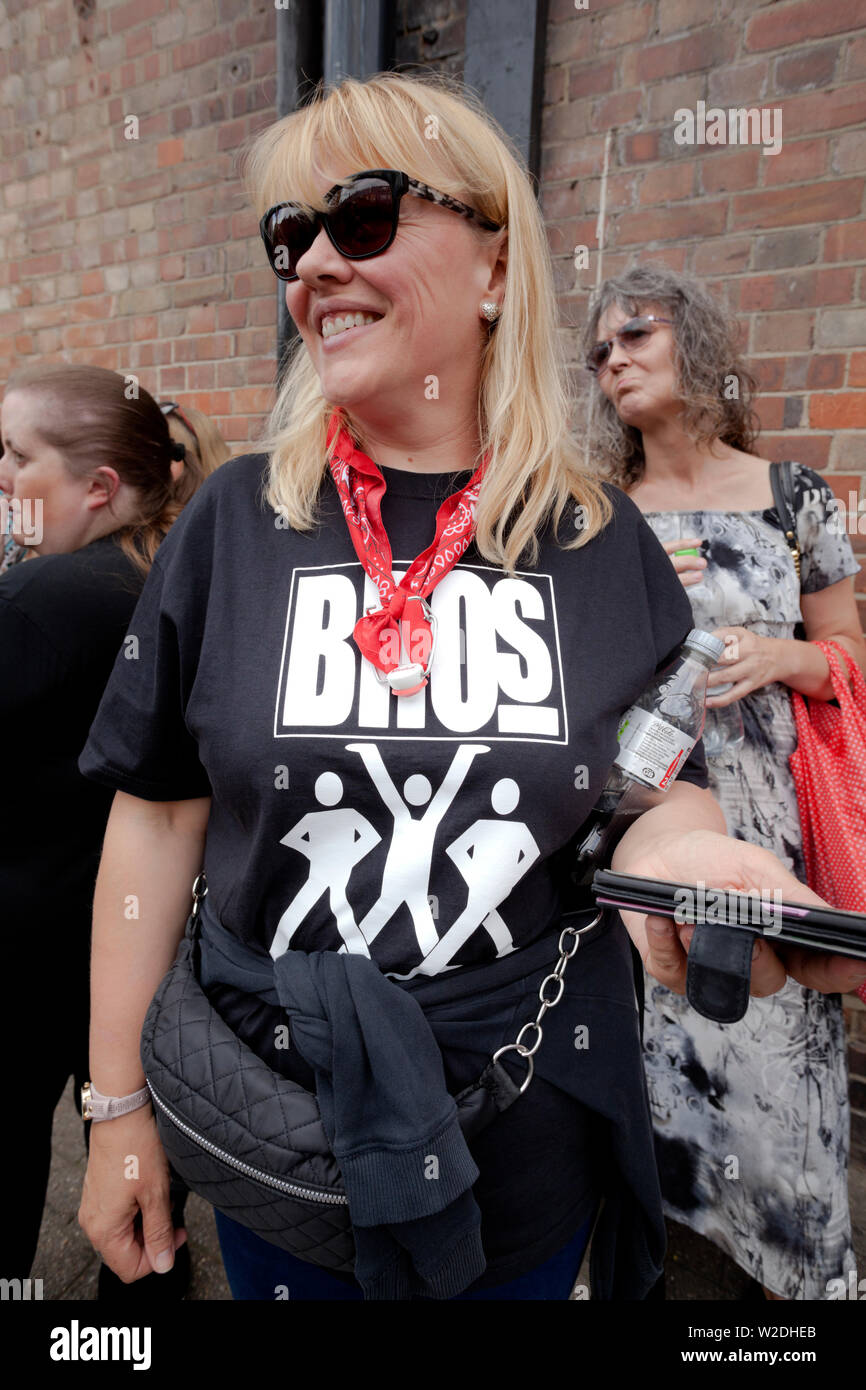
x: 633, y: 334
x: 361, y: 219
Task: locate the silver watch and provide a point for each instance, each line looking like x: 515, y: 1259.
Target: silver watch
x: 95, y: 1106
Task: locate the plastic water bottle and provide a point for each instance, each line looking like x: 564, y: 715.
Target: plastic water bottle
x: 723, y: 730
x: 656, y: 736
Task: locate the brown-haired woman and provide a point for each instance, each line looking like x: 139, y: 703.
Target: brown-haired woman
x: 91, y: 477
x: 674, y: 427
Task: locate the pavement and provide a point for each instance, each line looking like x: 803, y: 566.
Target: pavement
x: 68, y: 1266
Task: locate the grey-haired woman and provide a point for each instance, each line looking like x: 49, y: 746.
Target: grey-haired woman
x: 751, y: 1119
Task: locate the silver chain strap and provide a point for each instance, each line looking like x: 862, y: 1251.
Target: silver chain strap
x: 557, y: 975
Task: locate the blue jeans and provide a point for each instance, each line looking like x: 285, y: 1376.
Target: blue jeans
x: 256, y: 1269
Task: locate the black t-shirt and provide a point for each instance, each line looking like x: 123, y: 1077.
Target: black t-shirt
x: 415, y: 826
x: 341, y: 813
x: 62, y: 621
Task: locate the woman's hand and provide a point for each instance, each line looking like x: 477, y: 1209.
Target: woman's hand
x: 132, y: 1245
x: 690, y: 568
x: 704, y: 856
x: 748, y: 660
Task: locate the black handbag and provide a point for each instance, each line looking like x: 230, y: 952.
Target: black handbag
x: 252, y: 1142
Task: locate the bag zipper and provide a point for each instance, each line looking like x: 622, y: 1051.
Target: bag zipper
x: 312, y: 1194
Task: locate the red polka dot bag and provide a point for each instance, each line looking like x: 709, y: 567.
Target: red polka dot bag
x: 829, y: 767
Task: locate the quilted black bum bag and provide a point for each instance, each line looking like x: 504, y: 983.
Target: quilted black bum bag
x: 251, y: 1142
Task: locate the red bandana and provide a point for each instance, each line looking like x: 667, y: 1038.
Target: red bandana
x: 401, y: 616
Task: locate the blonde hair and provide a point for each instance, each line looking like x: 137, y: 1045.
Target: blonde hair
x: 206, y: 449
x: 524, y: 406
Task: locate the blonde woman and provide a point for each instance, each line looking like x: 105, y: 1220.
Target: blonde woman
x: 382, y: 667
x: 204, y: 447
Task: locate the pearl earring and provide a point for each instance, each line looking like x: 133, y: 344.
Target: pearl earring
x: 490, y: 310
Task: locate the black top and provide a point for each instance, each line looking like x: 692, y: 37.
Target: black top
x: 342, y: 813
x: 62, y: 620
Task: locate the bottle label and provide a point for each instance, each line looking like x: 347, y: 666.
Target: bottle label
x: 651, y: 749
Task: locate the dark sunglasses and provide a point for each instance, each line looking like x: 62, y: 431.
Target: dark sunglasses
x: 361, y: 219
x: 634, y: 334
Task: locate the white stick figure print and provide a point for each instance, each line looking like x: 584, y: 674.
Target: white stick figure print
x: 492, y: 856
x: 406, y: 876
x: 333, y: 841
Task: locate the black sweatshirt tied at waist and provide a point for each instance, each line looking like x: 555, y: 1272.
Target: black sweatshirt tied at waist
x: 376, y: 1047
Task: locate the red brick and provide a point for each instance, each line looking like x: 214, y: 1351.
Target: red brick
x: 172, y: 381
x: 674, y: 15
x: 201, y: 376
x: 642, y: 147
x: 169, y: 152
x: 723, y: 173
x: 562, y: 238
x: 674, y: 257
x: 775, y: 332
x: 135, y: 12
x: 826, y: 371
x: 570, y: 41
x: 843, y: 483
x: 857, y: 369
x: 591, y: 79
x: 670, y: 224
x: 838, y: 411
x: 616, y: 110
x: 171, y: 268
x: 202, y: 318
x: 846, y: 241
x: 855, y: 61
x: 251, y: 399
x: 231, y: 315
x: 814, y: 111
x: 554, y: 85
x: 785, y: 25
x: 769, y: 410
x: 785, y: 207
x: 667, y: 183
x: 813, y: 450
x: 625, y: 26
x: 835, y: 287
x: 796, y: 162
x: 138, y: 42
x: 769, y: 372
x: 564, y: 123
x: 711, y: 47
x: 807, y: 67
x: 723, y: 256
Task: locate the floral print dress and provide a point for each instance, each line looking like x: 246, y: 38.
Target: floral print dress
x: 752, y: 1118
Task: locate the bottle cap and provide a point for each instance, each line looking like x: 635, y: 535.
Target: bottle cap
x: 705, y: 642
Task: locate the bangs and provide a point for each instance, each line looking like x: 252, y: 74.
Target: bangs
x: 359, y: 126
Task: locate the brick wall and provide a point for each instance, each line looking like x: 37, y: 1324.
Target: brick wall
x: 430, y: 34
x: 143, y: 256
x: 140, y: 255
x: 782, y: 238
